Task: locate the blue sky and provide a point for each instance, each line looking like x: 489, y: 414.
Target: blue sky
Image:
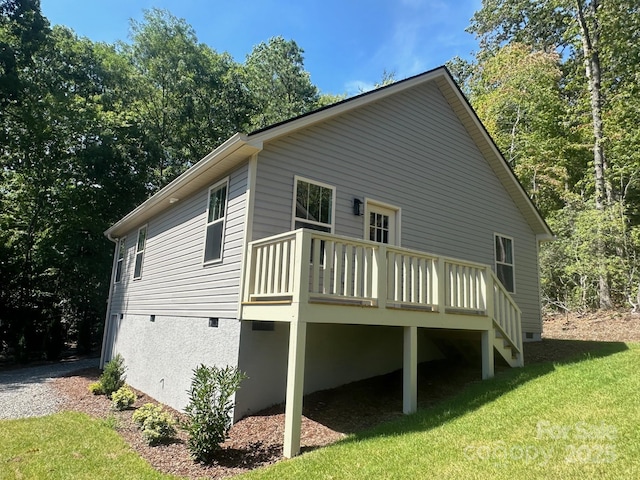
x: 347, y: 43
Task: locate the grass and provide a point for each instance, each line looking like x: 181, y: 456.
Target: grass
x: 573, y: 420
x: 566, y: 421
x: 68, y: 445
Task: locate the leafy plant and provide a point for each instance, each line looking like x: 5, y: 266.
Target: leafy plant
x: 113, y: 376
x: 209, y: 409
x: 123, y: 398
x: 156, y: 424
x: 96, y: 388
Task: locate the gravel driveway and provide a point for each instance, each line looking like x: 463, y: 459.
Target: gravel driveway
x: 26, y: 392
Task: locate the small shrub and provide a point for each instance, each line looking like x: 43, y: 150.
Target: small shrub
x: 156, y: 424
x: 96, y: 388
x: 209, y: 409
x: 112, y: 377
x: 144, y: 412
x: 123, y: 398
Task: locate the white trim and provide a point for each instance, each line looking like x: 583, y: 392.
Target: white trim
x: 250, y: 202
x: 513, y: 259
x: 136, y: 252
x: 216, y: 186
x: 120, y: 244
x: 331, y: 225
x: 398, y: 214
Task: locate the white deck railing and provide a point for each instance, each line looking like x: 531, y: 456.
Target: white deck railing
x: 311, y: 266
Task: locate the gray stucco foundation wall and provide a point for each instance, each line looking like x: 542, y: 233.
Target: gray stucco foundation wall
x: 335, y: 355
x: 160, y: 355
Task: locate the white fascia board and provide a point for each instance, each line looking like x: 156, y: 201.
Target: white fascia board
x: 161, y: 199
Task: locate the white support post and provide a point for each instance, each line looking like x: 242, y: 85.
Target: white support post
x: 487, y: 353
x: 295, y: 386
x: 410, y: 371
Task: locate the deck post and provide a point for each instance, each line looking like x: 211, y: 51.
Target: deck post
x: 410, y: 371
x: 295, y: 386
x: 487, y: 353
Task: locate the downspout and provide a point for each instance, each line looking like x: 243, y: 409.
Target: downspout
x: 107, y: 316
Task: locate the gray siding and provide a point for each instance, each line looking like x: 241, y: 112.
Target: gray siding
x: 174, y: 280
x: 182, y: 294
x: 410, y: 151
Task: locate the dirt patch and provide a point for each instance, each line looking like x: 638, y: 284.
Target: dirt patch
x: 330, y: 415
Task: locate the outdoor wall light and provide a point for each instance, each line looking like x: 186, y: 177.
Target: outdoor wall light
x: 358, y: 207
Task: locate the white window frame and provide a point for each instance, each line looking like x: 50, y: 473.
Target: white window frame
x: 223, y: 219
x: 294, y: 218
x: 140, y: 252
x: 369, y: 202
x: 513, y: 260
x: 120, y: 260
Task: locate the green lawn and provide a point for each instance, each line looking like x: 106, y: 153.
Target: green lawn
x: 67, y: 446
x: 577, y: 420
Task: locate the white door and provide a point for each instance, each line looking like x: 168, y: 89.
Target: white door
x: 382, y: 222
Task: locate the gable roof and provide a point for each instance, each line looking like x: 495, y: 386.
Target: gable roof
x: 241, y: 146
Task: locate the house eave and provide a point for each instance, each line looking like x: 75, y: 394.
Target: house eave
x: 221, y: 160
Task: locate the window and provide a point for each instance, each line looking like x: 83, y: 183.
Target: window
x: 313, y: 205
x: 120, y: 261
x: 142, y: 240
x: 215, y: 222
x: 504, y: 262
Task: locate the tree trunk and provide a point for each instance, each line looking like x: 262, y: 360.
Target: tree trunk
x: 603, y: 194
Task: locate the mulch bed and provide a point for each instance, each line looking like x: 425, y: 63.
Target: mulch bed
x: 330, y: 415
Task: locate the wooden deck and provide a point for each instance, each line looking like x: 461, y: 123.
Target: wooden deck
x: 306, y: 276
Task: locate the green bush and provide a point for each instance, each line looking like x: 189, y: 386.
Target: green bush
x: 209, y: 409
x: 96, y: 388
x: 113, y: 377
x: 123, y: 398
x: 156, y: 424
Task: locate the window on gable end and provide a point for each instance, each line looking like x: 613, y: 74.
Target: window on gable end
x: 216, y: 214
x: 505, y: 270
x: 120, y: 260
x: 140, y: 246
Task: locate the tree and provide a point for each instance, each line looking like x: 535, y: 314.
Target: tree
x: 189, y: 98
x: 581, y: 30
x: 278, y: 84
x: 517, y: 94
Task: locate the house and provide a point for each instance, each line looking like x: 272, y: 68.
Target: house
x: 339, y: 245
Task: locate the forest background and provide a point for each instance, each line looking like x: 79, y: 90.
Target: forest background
x: 89, y: 130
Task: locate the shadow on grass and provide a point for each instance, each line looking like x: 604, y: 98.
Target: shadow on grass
x: 470, y: 396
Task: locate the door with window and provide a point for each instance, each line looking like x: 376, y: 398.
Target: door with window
x: 382, y: 224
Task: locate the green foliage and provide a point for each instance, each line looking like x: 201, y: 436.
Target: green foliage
x: 69, y: 445
x: 278, y: 84
x: 113, y: 377
x: 209, y: 409
x: 156, y: 424
x: 96, y: 388
x: 123, y: 398
x: 572, y: 265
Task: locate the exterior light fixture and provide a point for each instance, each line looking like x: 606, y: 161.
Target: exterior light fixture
x: 358, y: 207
